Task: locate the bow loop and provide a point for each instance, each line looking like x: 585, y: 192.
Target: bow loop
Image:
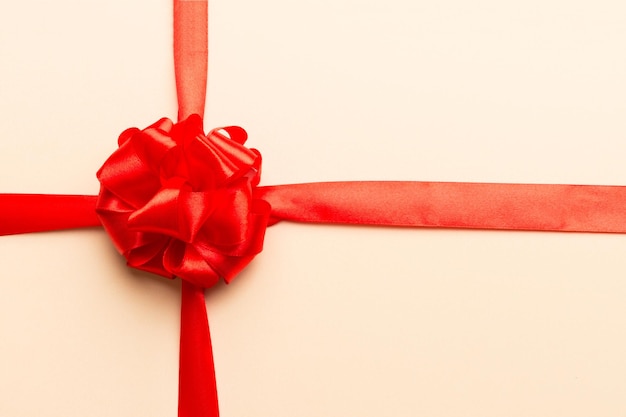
x: 177, y: 202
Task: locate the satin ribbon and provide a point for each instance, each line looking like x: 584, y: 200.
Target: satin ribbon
x: 539, y: 207
x: 177, y: 202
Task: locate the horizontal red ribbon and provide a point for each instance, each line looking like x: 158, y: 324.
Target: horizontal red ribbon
x: 28, y: 213
x: 541, y: 207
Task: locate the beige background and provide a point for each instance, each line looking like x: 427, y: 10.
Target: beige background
x: 328, y: 321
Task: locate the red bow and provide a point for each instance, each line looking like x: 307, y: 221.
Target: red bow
x: 178, y: 203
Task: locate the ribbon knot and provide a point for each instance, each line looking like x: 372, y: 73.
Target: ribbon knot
x: 177, y: 202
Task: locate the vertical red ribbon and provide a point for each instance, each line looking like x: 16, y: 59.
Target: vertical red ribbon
x: 197, y: 391
x: 191, y: 42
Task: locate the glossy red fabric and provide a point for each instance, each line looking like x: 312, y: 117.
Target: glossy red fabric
x: 190, y: 55
x: 197, y: 392
x: 541, y: 207
x: 545, y: 207
x: 197, y: 388
x: 178, y: 203
x: 28, y: 213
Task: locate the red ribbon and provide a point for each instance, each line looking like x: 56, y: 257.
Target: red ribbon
x: 177, y: 202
